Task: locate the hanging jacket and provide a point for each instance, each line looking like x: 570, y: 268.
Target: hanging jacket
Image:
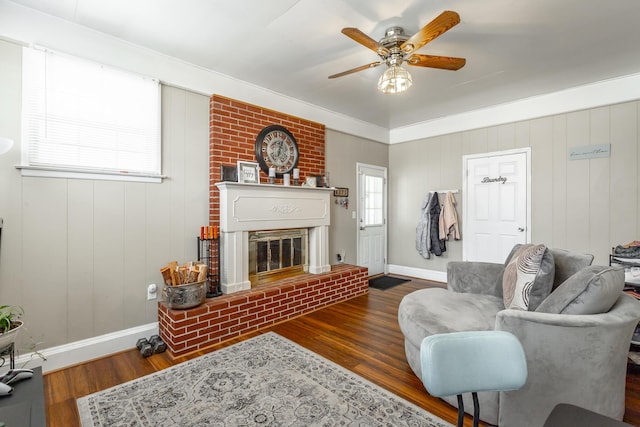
x: 423, y: 229
x: 449, y: 218
x: 437, y: 246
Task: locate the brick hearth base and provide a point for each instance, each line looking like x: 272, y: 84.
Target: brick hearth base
x: 229, y: 316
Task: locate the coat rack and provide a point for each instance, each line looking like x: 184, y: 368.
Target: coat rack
x: 444, y: 191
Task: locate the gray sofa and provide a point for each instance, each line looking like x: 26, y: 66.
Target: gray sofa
x: 575, y: 334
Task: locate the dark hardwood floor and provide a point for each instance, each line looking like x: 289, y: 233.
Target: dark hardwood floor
x: 361, y: 334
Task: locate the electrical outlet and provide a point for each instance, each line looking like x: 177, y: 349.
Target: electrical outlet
x: 341, y: 256
x: 152, y: 291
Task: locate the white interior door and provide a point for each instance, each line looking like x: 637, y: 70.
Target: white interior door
x: 496, y: 204
x: 372, y: 218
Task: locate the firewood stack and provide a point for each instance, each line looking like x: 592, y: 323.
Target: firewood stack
x: 189, y: 272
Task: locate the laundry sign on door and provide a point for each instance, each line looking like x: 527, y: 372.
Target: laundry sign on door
x: 589, y: 152
x: 501, y: 179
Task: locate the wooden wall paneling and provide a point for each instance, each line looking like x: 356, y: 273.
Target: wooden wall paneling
x: 457, y: 148
x: 196, y: 148
x: 433, y: 182
x: 451, y: 179
x: 342, y: 152
x: 109, y: 214
x: 10, y: 181
x: 599, y: 188
x: 433, y: 164
x: 173, y: 128
x: 540, y: 134
x: 582, y: 205
x: 448, y: 156
x: 476, y: 141
x: 578, y: 202
x: 522, y: 134
x: 158, y: 209
x: 559, y: 188
x: 179, y: 206
x: 397, y: 181
x: 492, y: 139
x: 506, y: 136
x: 158, y: 242
x: 134, y: 244
x: 407, y: 189
x: 72, y: 250
x: 623, y: 202
x: 81, y: 261
x: 44, y: 259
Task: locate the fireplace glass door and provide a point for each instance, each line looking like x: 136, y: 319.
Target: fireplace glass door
x: 277, y: 254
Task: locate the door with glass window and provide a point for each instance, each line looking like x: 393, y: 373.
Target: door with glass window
x: 372, y: 215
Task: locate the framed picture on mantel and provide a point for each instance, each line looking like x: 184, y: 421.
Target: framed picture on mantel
x: 228, y: 173
x: 248, y: 172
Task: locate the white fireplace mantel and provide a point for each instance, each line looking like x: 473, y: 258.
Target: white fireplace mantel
x: 256, y: 207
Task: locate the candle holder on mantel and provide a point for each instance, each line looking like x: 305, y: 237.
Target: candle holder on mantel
x: 296, y: 176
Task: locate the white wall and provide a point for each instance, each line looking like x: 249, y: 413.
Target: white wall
x: 582, y: 205
x: 342, y: 153
x: 77, y: 254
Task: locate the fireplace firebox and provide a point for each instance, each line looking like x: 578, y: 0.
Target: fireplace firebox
x: 277, y: 254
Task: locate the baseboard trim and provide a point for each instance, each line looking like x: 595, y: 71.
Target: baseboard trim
x: 66, y: 355
x: 420, y: 273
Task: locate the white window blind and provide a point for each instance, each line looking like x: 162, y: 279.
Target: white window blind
x: 82, y: 116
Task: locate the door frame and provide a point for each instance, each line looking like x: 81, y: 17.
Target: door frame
x: 385, y: 211
x: 465, y: 194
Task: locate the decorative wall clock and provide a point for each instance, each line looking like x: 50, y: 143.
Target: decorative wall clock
x: 276, y: 148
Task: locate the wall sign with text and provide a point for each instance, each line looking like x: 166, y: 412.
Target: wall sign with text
x: 501, y: 179
x: 589, y: 152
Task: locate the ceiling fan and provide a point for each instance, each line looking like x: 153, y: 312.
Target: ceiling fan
x: 396, y: 47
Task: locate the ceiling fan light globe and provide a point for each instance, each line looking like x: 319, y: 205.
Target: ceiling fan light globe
x: 395, y: 80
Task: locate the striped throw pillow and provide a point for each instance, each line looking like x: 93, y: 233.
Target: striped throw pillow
x: 520, y: 274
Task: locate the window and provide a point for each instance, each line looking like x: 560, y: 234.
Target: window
x: 373, y: 198
x: 82, y: 117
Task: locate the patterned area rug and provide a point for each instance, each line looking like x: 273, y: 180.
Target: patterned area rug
x: 264, y: 381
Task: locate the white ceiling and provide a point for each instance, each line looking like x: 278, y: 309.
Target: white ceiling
x: 515, y: 49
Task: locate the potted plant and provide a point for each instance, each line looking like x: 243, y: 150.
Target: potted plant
x: 10, y: 324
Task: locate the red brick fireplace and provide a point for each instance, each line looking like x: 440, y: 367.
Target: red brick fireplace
x: 234, y: 126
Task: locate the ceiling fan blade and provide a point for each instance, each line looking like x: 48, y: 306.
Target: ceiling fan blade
x: 443, y: 62
x: 355, y: 70
x: 444, y: 22
x: 365, y: 40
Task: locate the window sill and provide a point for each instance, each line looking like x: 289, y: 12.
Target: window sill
x: 46, y: 172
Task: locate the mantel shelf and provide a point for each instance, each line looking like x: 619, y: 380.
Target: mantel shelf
x: 232, y: 184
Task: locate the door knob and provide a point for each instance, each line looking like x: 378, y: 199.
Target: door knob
x: 520, y: 229
x: 361, y: 228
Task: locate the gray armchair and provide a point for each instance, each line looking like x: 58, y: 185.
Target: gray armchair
x: 576, y: 339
